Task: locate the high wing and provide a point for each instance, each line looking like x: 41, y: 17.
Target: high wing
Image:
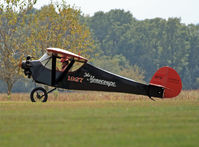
x: 67, y: 54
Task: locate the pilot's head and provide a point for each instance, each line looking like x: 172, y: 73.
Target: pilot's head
x: 64, y: 61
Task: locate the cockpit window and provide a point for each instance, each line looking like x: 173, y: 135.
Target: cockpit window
x: 46, y: 61
x: 62, y: 63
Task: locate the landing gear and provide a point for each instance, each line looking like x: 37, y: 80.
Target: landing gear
x: 39, y: 94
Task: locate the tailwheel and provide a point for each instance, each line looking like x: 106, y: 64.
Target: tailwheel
x: 38, y: 94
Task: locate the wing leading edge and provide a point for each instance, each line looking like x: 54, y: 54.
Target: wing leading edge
x: 67, y: 54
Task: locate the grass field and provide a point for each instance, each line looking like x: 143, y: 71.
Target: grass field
x: 99, y: 120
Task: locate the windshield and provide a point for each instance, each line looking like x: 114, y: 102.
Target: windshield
x: 44, y: 57
x: 46, y: 61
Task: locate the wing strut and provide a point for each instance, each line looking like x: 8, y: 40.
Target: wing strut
x: 65, y: 71
x: 53, y: 72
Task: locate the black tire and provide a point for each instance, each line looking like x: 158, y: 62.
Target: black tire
x: 38, y: 93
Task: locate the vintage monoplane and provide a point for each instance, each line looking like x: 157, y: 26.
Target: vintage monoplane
x: 63, y: 69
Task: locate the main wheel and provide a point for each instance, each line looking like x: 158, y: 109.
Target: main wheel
x: 38, y: 94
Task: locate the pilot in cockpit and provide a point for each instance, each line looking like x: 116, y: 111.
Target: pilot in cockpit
x: 65, y: 63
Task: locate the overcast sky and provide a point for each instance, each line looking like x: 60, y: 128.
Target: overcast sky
x: 187, y: 10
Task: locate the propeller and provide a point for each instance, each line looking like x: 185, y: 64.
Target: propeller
x: 25, y: 65
x: 21, y: 63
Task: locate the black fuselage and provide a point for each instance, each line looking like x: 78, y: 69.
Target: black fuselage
x: 89, y: 77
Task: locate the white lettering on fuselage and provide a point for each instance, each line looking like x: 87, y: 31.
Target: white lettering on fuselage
x: 94, y: 80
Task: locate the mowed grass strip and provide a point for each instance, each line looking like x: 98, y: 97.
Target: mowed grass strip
x: 112, y: 122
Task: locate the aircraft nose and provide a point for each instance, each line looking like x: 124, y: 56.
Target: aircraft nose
x: 25, y: 65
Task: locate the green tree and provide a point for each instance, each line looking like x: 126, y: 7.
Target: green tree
x: 150, y: 44
x: 193, y: 66
x: 24, y: 30
x: 108, y: 29
x: 12, y: 40
x: 156, y: 43
x: 59, y: 26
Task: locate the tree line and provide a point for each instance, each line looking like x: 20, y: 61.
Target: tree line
x: 149, y: 44
x: 115, y: 41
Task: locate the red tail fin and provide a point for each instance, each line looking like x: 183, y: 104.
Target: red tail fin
x: 169, y: 79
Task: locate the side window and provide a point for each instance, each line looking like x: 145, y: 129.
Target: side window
x: 76, y: 66
x: 61, y: 64
x: 58, y: 64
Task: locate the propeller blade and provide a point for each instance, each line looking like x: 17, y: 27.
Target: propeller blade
x: 19, y: 65
x: 20, y: 62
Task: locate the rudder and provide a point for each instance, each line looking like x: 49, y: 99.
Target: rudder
x: 169, y: 79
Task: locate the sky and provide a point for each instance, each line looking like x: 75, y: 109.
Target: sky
x: 187, y: 10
